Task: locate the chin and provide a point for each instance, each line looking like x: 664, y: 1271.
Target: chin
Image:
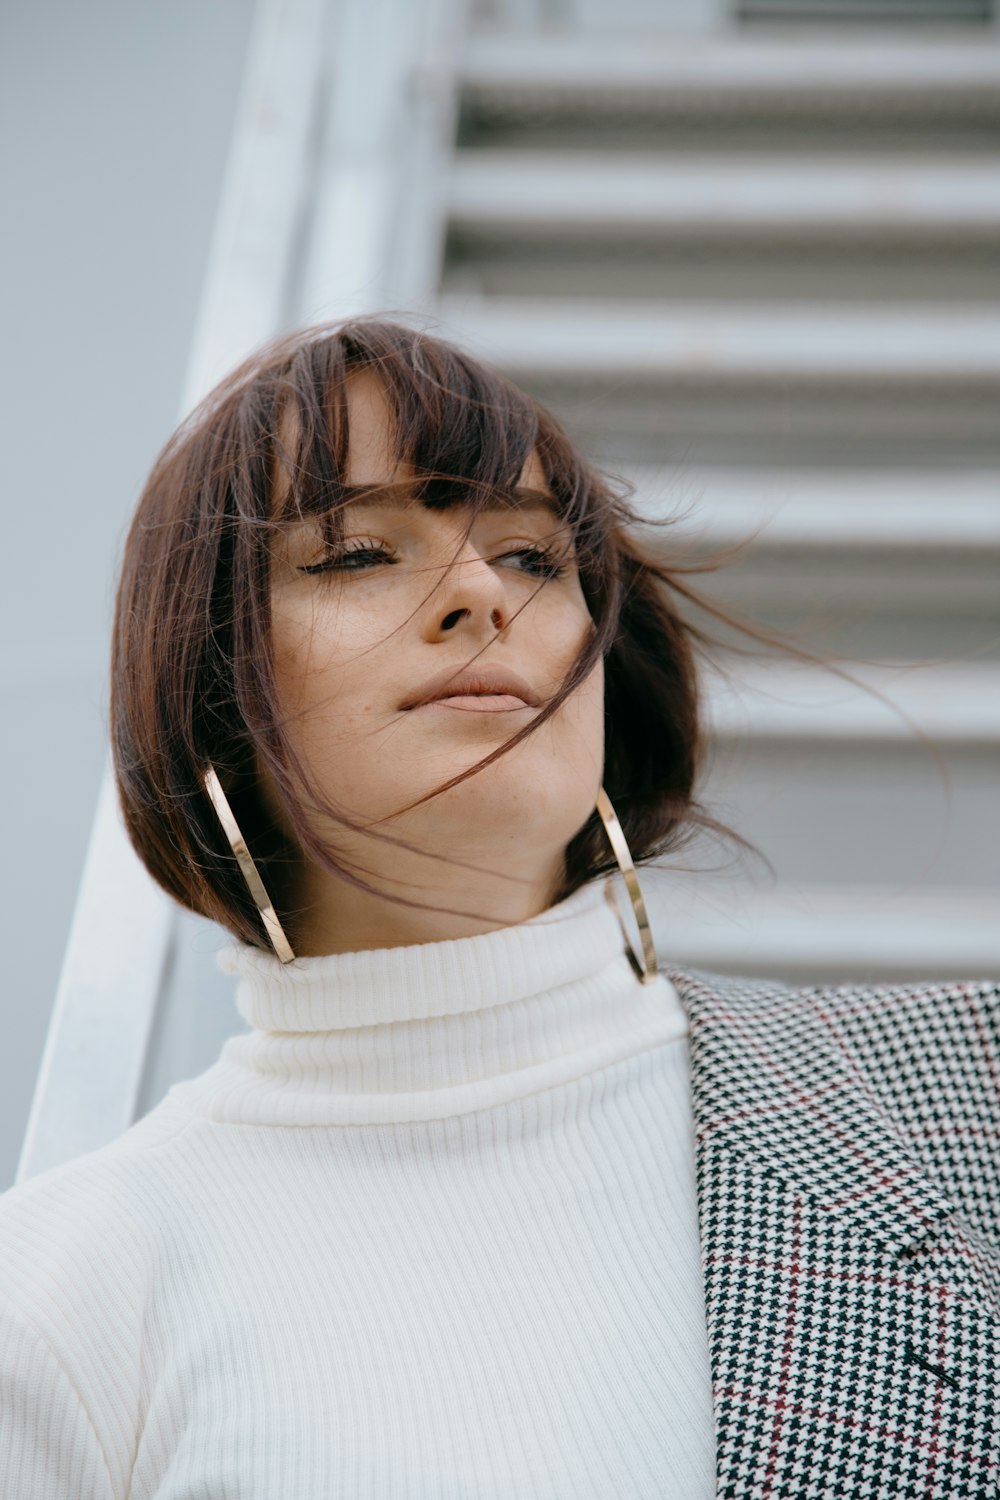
x: 539, y: 799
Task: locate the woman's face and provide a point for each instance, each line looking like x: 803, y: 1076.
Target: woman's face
x: 367, y: 640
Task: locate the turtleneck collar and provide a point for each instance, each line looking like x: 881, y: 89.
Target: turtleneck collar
x: 436, y: 1029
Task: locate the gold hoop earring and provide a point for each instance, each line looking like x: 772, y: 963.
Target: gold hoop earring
x: 644, y: 961
x: 249, y: 871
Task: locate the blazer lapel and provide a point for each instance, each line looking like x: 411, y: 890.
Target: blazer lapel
x: 850, y: 1352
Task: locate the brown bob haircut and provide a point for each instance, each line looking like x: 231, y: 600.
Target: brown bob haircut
x: 192, y: 669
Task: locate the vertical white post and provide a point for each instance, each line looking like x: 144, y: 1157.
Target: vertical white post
x: 120, y: 939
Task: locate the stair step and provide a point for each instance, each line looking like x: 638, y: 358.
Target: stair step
x: 806, y: 341
x: 954, y: 702
x: 867, y: 13
x: 858, y: 510
x: 906, y: 812
x: 670, y: 72
x: 544, y: 192
x: 822, y: 933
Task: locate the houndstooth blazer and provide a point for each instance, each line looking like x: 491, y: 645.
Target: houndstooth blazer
x: 848, y: 1158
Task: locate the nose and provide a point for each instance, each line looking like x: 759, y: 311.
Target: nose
x: 468, y: 599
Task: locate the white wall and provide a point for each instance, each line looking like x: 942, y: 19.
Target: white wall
x: 114, y: 129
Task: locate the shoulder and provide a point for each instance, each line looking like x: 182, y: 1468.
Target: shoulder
x: 924, y: 1055
x: 964, y: 1000
x: 920, y: 1033
x: 81, y: 1248
x: 126, y: 1188
x: 925, y: 1034
x: 963, y: 1013
x: 83, y: 1251
x: 81, y: 1244
x: 930, y: 1051
x: 86, y: 1177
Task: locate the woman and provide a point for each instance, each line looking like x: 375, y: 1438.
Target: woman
x: 480, y: 1204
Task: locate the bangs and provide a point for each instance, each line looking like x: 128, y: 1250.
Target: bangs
x: 458, y: 433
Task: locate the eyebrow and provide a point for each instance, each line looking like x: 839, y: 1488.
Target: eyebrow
x: 517, y: 499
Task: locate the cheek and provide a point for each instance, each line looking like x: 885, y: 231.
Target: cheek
x: 572, y: 743
x: 586, y: 715
x: 565, y: 626
x: 326, y: 697
x: 557, y: 625
x: 320, y: 662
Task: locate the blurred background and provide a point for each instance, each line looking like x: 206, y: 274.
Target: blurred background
x: 749, y: 250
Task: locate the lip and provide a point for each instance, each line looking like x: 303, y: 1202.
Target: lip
x: 488, y: 682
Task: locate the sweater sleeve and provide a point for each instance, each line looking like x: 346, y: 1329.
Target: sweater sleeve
x: 49, y: 1449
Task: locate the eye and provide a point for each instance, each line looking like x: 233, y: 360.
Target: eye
x: 538, y: 561
x: 357, y: 554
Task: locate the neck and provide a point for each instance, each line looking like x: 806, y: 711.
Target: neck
x: 450, y: 899
x: 434, y: 1030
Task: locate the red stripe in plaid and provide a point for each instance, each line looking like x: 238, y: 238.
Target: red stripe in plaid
x: 899, y: 1436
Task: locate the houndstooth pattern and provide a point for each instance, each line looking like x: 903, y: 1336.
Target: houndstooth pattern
x: 848, y: 1154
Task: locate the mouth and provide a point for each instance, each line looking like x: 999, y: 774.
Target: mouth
x: 480, y: 703
x: 486, y: 689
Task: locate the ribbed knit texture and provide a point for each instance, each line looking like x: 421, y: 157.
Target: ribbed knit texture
x: 428, y: 1230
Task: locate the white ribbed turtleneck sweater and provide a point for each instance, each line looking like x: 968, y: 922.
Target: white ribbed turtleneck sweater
x: 427, y: 1230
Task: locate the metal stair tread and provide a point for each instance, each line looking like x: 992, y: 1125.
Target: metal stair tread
x: 507, y: 191
x: 808, y: 340
x: 897, y: 509
x: 950, y: 702
x: 825, y: 930
x: 563, y: 67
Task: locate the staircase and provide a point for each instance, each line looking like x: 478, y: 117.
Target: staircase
x: 756, y: 273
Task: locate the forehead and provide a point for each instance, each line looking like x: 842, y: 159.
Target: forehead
x: 371, y: 459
